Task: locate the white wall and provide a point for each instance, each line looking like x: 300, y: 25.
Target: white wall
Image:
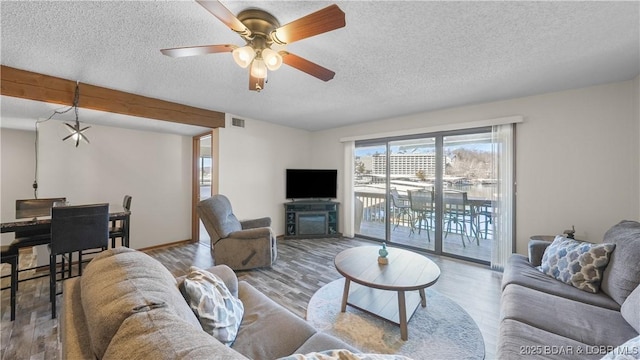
x: 154, y: 168
x: 252, y: 167
x: 17, y: 166
x: 636, y: 98
x: 577, y: 156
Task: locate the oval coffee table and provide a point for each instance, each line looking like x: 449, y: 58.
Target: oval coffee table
x: 406, y: 272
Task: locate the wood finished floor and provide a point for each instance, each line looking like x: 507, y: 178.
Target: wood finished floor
x: 302, y: 268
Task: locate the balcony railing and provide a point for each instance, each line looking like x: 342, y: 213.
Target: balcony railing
x: 371, y: 217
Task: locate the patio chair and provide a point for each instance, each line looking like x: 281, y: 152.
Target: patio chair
x: 421, y: 203
x: 458, y: 214
x: 400, y: 206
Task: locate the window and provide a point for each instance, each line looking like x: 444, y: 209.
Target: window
x: 441, y: 192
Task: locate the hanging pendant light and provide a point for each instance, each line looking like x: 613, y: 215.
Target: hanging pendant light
x: 77, y: 133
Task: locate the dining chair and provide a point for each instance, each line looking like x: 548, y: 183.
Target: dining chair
x: 32, y: 208
x: 400, y: 206
x: 421, y: 203
x: 119, y: 228
x: 73, y: 229
x: 9, y: 255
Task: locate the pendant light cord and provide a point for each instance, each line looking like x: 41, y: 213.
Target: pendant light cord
x: 76, y: 97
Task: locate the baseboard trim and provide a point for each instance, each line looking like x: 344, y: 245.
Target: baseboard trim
x: 165, y: 245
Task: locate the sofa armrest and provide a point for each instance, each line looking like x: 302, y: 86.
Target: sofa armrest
x: 263, y: 232
x: 224, y: 272
x: 228, y: 276
x: 536, y: 250
x: 74, y: 333
x: 256, y: 223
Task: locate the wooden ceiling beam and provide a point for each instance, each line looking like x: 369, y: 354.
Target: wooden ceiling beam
x: 34, y: 86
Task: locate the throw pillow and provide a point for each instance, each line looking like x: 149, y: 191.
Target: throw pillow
x: 576, y: 263
x: 218, y: 311
x: 342, y: 355
x: 630, y: 350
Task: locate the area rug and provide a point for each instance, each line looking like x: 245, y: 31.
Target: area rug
x: 442, y: 330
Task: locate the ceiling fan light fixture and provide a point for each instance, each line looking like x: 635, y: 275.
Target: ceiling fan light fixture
x: 272, y: 59
x: 243, y: 56
x: 258, y: 68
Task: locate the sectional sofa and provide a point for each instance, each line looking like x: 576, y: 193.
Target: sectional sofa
x: 544, y: 318
x: 127, y: 305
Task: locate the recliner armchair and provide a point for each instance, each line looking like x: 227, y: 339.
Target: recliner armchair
x: 241, y: 245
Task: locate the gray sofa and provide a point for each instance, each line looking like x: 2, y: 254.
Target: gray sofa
x: 543, y: 318
x: 127, y: 305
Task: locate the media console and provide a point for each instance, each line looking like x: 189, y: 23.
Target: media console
x: 306, y: 219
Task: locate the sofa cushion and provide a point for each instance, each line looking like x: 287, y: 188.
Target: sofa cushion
x: 576, y: 263
x: 342, y: 354
x: 265, y: 320
x: 322, y: 341
x: 588, y: 324
x: 159, y: 334
x: 121, y: 282
x: 622, y: 275
x: 630, y: 309
x: 218, y: 311
x: 517, y: 340
x: 630, y: 350
x: 520, y: 271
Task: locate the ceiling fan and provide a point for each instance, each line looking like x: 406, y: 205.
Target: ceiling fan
x: 266, y: 39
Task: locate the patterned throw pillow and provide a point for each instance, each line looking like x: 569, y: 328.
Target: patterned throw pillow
x: 576, y: 263
x: 218, y: 311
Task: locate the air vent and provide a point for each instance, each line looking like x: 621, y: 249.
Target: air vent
x: 237, y: 122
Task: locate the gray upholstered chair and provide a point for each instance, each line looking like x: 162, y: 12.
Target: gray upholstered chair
x: 241, y: 245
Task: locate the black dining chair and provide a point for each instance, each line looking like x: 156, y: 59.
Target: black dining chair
x: 119, y: 228
x: 74, y: 229
x: 33, y: 208
x: 9, y: 255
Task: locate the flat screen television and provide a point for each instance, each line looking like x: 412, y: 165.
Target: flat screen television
x: 312, y: 184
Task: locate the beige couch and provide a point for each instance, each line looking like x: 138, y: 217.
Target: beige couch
x: 128, y: 306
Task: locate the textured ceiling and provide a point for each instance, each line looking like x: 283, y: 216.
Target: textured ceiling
x: 393, y: 57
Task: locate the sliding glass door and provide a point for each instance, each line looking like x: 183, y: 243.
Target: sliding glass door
x: 432, y: 192
x: 468, y: 186
x: 370, y: 188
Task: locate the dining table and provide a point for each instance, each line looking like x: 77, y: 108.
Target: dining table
x: 116, y: 212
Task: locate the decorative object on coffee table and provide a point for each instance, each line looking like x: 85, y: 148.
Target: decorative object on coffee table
x: 376, y: 286
x: 382, y: 258
x: 442, y: 331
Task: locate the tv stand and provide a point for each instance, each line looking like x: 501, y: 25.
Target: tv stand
x: 311, y: 219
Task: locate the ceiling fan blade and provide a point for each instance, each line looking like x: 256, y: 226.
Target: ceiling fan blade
x: 227, y: 17
x: 255, y: 83
x: 321, y: 21
x: 307, y: 66
x: 198, y: 50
